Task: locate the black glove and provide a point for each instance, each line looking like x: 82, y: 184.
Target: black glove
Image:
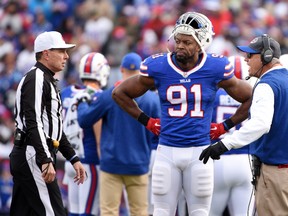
x: 83, y: 97
x: 79, y: 98
x: 214, y: 151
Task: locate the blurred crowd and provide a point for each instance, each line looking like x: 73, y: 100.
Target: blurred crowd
x: 114, y: 28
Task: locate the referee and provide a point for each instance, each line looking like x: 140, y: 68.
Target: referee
x: 39, y: 134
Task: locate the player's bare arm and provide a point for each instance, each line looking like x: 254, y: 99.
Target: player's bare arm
x: 241, y: 91
x: 129, y: 89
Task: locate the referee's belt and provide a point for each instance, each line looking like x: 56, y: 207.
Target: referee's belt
x: 20, y: 140
x: 19, y: 137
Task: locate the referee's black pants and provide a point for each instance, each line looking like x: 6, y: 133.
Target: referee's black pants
x: 31, y: 195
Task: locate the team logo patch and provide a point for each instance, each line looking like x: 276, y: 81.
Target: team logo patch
x: 254, y: 40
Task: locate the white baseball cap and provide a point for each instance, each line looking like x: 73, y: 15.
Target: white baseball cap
x: 50, y: 40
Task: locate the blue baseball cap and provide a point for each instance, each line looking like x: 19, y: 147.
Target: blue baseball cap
x: 131, y: 61
x: 256, y: 46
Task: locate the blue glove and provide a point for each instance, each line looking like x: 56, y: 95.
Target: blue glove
x: 214, y: 151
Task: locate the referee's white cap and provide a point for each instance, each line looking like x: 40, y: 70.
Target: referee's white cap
x: 50, y: 40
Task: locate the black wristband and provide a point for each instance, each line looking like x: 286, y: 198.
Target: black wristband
x: 228, y: 124
x: 74, y: 159
x: 143, y: 119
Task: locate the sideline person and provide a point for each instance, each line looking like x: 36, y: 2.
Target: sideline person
x: 125, y: 145
x: 266, y: 129
x: 232, y: 187
x: 93, y: 71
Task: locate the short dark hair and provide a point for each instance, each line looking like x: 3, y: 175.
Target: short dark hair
x: 38, y: 56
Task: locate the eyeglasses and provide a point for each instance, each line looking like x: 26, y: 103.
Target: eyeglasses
x: 249, y: 55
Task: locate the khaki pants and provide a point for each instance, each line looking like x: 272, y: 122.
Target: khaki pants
x: 111, y: 186
x: 271, y: 194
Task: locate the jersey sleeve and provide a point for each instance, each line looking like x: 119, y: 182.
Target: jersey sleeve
x: 228, y: 69
x: 89, y: 114
x: 219, y: 67
x: 152, y: 64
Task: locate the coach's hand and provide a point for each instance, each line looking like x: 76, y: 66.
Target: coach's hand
x: 214, y: 151
x: 216, y: 130
x: 154, y: 125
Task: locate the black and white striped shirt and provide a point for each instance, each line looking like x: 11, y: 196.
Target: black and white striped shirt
x: 38, y: 112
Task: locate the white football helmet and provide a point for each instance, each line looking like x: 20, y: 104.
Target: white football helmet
x: 197, y: 25
x: 240, y: 66
x: 284, y: 60
x: 94, y: 66
x: 241, y: 69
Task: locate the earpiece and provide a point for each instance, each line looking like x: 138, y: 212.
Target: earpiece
x: 267, y: 53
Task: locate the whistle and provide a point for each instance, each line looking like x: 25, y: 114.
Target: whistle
x: 55, y: 143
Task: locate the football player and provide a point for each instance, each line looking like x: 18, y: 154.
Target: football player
x: 93, y: 72
x: 232, y: 187
x: 187, y: 80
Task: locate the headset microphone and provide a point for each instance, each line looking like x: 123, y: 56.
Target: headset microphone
x: 256, y: 73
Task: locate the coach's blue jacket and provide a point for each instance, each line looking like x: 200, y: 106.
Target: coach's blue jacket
x: 125, y: 143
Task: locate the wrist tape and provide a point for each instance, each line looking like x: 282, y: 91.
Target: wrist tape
x: 228, y: 124
x: 143, y: 119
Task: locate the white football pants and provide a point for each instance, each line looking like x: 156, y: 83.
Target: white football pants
x: 176, y: 168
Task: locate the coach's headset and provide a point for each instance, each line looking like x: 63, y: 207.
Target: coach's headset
x: 267, y: 53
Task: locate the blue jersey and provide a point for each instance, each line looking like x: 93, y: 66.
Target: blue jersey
x: 224, y: 107
x: 186, y: 97
x: 272, y: 147
x: 83, y: 141
x: 125, y: 143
